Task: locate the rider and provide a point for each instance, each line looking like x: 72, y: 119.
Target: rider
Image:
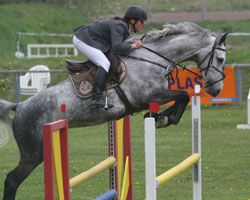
x: 93, y: 40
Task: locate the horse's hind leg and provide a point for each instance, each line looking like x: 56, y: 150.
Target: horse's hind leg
x: 17, y: 176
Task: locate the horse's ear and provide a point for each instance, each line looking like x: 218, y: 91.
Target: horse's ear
x: 223, y: 38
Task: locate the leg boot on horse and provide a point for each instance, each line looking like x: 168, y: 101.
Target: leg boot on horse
x: 98, y: 99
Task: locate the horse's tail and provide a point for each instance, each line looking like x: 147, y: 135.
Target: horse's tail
x: 5, y: 120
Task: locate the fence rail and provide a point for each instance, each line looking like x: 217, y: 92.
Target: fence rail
x: 51, y: 50
x: 239, y: 34
x: 27, y: 70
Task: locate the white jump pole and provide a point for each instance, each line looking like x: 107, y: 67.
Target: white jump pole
x: 150, y: 152
x: 246, y: 126
x: 150, y: 161
x: 196, y: 143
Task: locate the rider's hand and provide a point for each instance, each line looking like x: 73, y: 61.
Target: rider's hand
x: 137, y: 44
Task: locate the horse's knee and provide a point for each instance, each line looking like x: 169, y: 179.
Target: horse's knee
x: 186, y: 97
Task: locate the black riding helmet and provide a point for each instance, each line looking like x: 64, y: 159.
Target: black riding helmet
x: 137, y: 13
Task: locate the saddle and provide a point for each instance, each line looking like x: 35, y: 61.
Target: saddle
x: 82, y: 74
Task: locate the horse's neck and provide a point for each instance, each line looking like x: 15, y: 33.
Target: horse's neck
x: 179, y: 49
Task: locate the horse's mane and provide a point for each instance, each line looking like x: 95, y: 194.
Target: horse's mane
x: 175, y: 29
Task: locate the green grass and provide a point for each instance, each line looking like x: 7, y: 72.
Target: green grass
x: 225, y: 163
x: 35, y: 18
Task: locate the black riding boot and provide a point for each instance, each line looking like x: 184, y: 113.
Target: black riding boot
x: 99, y: 84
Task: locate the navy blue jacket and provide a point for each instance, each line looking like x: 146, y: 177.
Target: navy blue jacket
x: 106, y: 35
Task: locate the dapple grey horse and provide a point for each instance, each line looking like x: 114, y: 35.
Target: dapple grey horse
x: 145, y: 82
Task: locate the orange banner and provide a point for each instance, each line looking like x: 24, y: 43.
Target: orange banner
x: 187, y: 81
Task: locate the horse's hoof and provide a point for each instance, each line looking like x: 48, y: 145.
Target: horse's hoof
x: 161, y: 122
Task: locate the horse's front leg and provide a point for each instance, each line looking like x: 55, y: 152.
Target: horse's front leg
x: 173, y: 114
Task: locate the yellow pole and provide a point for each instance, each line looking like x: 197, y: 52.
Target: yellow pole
x: 125, y: 186
x: 119, y: 136
x: 58, y: 164
x: 188, y: 162
x: 110, y: 161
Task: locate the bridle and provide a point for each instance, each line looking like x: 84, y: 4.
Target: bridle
x: 210, y: 62
x: 169, y: 69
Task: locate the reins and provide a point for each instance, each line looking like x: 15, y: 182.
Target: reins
x: 169, y: 69
x: 169, y: 60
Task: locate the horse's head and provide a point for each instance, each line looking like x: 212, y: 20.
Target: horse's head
x: 211, y: 61
x: 187, y: 42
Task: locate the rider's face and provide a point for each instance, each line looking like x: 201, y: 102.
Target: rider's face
x: 138, y: 25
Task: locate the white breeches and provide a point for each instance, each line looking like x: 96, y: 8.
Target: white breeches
x: 94, y: 55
